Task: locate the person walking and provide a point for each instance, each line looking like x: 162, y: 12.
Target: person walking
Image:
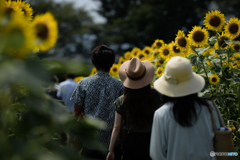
x: 134, y: 109
x: 65, y: 91
x: 94, y: 96
x: 182, y: 128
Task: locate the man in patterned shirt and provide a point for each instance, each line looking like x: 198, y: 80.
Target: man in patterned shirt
x: 94, y: 96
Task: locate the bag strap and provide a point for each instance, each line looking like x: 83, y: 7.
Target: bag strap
x: 219, y: 117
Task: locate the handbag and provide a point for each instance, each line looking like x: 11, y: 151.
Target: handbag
x: 222, y: 139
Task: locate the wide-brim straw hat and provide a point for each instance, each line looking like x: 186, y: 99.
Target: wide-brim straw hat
x: 136, y: 74
x: 178, y: 79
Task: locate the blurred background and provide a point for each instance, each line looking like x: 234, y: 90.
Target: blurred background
x: 120, y: 24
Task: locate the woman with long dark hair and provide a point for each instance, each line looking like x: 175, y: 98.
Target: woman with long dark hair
x: 182, y: 128
x: 135, y: 109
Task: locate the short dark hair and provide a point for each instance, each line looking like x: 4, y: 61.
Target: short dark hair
x: 103, y: 57
x: 71, y: 75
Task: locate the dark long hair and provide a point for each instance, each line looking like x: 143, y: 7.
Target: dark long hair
x: 140, y: 104
x: 183, y: 108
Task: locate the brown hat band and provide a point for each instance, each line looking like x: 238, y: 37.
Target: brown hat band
x: 137, y: 78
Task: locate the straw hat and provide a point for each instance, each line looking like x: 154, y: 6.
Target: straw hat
x: 136, y: 74
x: 178, y: 80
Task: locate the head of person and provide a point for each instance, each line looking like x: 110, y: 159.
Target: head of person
x: 70, y: 76
x: 180, y: 86
x: 103, y: 57
x: 137, y: 76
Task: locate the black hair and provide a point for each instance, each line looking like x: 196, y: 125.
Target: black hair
x: 183, y: 108
x: 140, y: 104
x: 71, y: 75
x: 103, y: 57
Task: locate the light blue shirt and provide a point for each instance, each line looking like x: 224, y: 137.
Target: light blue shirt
x: 65, y: 91
x: 171, y: 141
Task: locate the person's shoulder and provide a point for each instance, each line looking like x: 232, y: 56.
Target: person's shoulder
x: 119, y: 100
x: 163, y: 110
x: 117, y: 82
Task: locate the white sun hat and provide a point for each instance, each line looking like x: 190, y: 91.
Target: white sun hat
x: 178, y: 79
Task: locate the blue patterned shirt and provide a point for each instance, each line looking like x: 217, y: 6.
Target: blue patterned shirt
x: 96, y: 94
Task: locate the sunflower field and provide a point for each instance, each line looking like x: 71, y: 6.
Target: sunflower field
x: 33, y: 126
x: 214, y: 55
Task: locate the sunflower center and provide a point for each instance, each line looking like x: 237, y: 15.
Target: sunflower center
x: 141, y: 56
x: 215, y: 21
x: 159, y: 44
x: 222, y: 42
x: 233, y: 28
x: 160, y: 62
x: 24, y: 11
x: 236, y: 47
x: 182, y: 42
x: 159, y: 71
x: 9, y: 11
x: 198, y: 36
x: 114, y: 69
x: 214, y: 79
x: 165, y: 52
x: 135, y: 53
x: 147, y: 52
x: 42, y: 31
x: 176, y: 50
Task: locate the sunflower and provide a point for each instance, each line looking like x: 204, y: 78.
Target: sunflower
x: 181, y: 41
x: 114, y: 69
x: 45, y: 31
x: 121, y: 60
x: 159, y: 62
x: 165, y: 51
x: 233, y: 28
x: 157, y: 44
x: 94, y: 71
x: 159, y: 71
x: 26, y: 9
x: 11, y: 8
x: 135, y: 51
x: 19, y: 37
x: 236, y: 47
x: 77, y: 79
x: 127, y: 55
x: 214, y: 79
x: 147, y: 50
x: 214, y: 20
x: 175, y: 51
x: 198, y: 36
x: 222, y: 38
x: 142, y: 56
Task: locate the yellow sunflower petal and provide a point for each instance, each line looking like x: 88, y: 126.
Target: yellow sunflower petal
x: 159, y: 71
x: 181, y: 40
x: 165, y: 51
x: 114, y: 69
x: 222, y: 38
x: 26, y: 9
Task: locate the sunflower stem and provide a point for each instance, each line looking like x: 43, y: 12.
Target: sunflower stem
x: 202, y: 63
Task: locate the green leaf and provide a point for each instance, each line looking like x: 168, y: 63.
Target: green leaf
x: 231, y: 99
x: 201, y: 50
x: 194, y: 60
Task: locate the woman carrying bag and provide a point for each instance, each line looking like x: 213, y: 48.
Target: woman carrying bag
x: 134, y: 109
x: 182, y: 128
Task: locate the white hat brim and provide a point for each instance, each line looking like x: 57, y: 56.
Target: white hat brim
x: 194, y: 85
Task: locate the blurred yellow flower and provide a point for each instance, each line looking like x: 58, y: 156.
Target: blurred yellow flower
x: 127, y: 55
x: 233, y: 128
x: 165, y: 51
x: 114, y: 69
x: 121, y: 60
x: 135, y: 51
x: 214, y: 20
x: 214, y: 79
x: 233, y: 28
x: 198, y: 36
x: 11, y: 8
x: 77, y: 79
x: 147, y: 50
x: 181, y: 40
x: 158, y: 43
x: 159, y: 62
x: 174, y: 49
x: 45, y: 31
x: 236, y: 47
x: 142, y: 56
x: 26, y: 9
x: 159, y: 71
